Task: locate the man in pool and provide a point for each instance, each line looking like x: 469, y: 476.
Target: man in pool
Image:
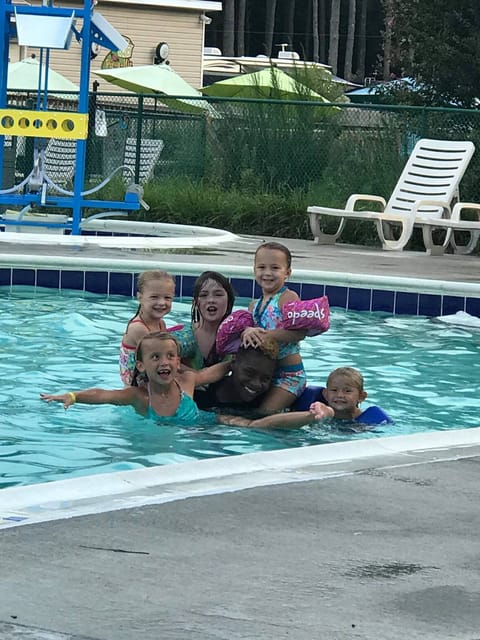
x: 251, y: 376
x: 168, y: 390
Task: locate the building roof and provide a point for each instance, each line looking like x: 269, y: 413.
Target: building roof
x: 215, y: 64
x: 194, y: 5
x: 217, y: 67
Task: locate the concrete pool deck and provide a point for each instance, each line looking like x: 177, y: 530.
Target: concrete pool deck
x: 385, y: 547
x: 340, y: 258
x: 377, y: 545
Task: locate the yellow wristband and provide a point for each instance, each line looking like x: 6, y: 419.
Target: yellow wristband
x: 73, y: 397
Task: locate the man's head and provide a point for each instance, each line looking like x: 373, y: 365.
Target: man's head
x: 253, y: 369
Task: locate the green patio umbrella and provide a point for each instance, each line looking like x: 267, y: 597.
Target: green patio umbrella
x: 25, y: 75
x: 157, y: 78
x: 267, y: 83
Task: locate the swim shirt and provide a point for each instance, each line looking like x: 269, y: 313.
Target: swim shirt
x: 190, y: 351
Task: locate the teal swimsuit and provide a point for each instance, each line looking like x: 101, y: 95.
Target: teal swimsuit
x: 187, y: 411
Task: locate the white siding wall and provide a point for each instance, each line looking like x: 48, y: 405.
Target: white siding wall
x: 146, y: 27
x: 15, y: 52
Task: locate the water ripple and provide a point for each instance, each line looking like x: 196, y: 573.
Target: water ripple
x: 424, y: 374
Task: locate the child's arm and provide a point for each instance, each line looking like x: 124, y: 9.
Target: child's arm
x: 126, y: 396
x: 292, y: 420
x: 288, y: 335
x: 135, y: 331
x: 254, y: 336
x: 212, y: 374
x: 189, y: 379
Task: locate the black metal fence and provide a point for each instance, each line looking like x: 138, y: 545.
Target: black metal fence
x: 265, y: 146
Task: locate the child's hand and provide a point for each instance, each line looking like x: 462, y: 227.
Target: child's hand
x: 321, y: 411
x: 253, y: 337
x: 66, y: 398
x: 233, y: 421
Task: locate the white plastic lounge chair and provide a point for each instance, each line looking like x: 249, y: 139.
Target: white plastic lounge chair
x: 425, y: 190
x: 59, y: 163
x: 455, y: 223
x: 150, y: 151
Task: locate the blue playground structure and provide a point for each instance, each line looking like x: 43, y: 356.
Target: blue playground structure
x: 49, y: 27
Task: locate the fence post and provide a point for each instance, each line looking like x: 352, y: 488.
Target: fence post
x: 139, y: 139
x: 424, y: 123
x: 94, y: 162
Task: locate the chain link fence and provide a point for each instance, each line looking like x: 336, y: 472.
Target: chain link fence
x: 261, y: 146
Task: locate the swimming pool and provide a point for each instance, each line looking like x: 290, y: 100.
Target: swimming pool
x: 422, y: 373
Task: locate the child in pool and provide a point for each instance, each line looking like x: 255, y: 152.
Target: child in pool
x: 213, y: 300
x: 168, y: 392
x: 339, y: 400
x: 252, y: 373
x: 156, y: 290
x: 251, y: 376
x: 272, y: 268
x: 344, y: 393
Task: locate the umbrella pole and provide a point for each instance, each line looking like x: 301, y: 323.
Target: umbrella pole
x: 139, y: 138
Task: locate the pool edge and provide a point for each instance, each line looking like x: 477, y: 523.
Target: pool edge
x: 137, y: 264
x: 140, y: 487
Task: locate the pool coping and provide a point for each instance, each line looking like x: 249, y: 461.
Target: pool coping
x: 74, y: 497
x: 314, y: 276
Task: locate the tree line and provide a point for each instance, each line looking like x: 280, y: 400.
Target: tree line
x: 345, y: 34
x: 435, y: 41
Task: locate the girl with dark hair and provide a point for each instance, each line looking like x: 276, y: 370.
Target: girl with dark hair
x: 213, y: 300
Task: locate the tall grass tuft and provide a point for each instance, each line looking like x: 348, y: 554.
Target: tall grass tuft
x: 275, y: 145
x: 256, y: 165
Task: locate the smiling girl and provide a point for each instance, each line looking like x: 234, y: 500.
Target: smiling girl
x: 156, y: 290
x: 167, y: 395
x: 168, y: 391
x: 273, y: 267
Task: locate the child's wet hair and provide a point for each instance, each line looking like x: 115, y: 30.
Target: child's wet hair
x: 222, y: 281
x: 276, y: 246
x: 148, y: 276
x: 155, y: 335
x: 353, y: 376
x: 269, y: 347
x: 148, y: 337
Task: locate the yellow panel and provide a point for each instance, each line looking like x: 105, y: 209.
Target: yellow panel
x: 43, y: 124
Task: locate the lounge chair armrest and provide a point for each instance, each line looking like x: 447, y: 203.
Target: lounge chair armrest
x: 459, y: 206
x: 365, y: 197
x: 431, y: 203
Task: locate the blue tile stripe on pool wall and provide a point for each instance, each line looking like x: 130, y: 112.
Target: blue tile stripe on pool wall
x: 352, y: 298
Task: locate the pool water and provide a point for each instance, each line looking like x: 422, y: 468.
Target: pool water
x: 424, y: 374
